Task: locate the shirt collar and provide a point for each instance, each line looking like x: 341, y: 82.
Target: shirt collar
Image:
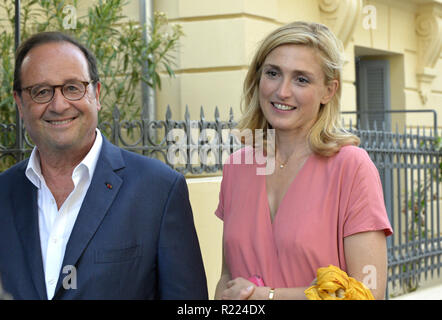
x: 33, y: 169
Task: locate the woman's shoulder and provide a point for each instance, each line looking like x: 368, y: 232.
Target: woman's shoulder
x: 351, y: 158
x: 245, y: 155
x: 245, y: 163
x: 352, y: 153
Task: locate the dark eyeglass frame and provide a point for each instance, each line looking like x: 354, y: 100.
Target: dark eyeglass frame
x: 61, y: 86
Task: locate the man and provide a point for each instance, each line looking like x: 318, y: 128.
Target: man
x: 83, y: 219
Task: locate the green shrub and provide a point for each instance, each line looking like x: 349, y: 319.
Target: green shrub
x: 117, y: 42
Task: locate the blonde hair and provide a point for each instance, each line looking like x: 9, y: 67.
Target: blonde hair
x: 327, y: 135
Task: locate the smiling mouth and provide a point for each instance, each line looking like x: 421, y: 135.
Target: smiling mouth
x: 282, y: 107
x: 60, y: 122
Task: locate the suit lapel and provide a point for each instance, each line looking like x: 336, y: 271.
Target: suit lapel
x: 102, y: 191
x: 24, y: 198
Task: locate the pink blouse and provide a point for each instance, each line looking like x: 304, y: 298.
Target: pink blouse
x: 330, y: 199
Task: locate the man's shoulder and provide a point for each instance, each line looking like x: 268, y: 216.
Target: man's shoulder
x: 12, y: 177
x: 145, y: 165
x: 15, y: 171
x: 134, y: 162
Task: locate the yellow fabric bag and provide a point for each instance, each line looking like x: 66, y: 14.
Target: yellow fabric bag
x: 334, y: 284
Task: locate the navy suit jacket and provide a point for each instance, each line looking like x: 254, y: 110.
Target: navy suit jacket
x: 134, y: 237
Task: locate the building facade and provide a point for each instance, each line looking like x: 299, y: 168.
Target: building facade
x: 393, y: 64
x: 393, y: 51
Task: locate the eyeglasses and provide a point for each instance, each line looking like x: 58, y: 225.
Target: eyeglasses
x: 72, y: 90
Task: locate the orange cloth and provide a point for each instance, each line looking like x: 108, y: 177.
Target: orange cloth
x: 334, y: 284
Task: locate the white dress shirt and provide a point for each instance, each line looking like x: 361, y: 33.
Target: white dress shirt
x: 55, y: 225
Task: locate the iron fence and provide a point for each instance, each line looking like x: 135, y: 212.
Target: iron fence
x: 188, y: 146
x: 409, y: 163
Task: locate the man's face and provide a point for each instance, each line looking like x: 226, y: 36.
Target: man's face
x: 59, y: 125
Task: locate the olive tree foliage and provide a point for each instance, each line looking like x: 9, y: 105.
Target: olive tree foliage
x: 116, y: 41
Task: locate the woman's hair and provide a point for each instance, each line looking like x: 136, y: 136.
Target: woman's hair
x: 327, y: 135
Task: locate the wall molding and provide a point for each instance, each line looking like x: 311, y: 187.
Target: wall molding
x: 428, y: 26
x: 341, y: 16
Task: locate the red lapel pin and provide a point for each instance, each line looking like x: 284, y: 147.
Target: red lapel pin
x: 108, y: 185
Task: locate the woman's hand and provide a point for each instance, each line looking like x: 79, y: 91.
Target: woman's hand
x: 238, y: 289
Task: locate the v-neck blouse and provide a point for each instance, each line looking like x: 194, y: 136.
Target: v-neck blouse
x: 329, y: 199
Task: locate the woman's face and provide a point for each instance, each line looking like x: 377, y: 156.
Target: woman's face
x: 292, y: 87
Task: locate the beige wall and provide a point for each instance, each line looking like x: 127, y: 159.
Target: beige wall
x: 204, y: 200
x: 221, y: 37
x: 215, y: 51
x: 396, y: 35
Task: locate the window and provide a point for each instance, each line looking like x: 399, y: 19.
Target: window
x: 373, y: 94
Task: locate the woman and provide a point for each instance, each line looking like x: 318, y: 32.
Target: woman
x: 323, y: 202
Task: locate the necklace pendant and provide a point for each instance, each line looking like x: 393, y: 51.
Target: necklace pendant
x: 281, y: 166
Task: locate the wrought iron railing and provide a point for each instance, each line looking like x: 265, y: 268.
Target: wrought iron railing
x: 188, y: 146
x: 409, y: 163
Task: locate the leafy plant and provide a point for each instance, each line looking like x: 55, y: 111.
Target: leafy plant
x: 121, y: 50
x: 415, y: 208
x: 116, y: 41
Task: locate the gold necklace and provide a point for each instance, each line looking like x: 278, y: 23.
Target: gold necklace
x: 282, y: 165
